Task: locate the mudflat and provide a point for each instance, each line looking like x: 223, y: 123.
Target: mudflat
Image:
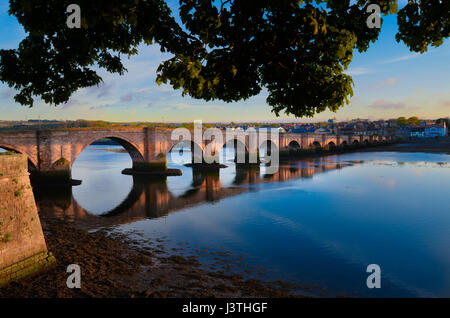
x: 113, y: 265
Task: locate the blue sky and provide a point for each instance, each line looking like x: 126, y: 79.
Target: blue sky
x: 390, y: 81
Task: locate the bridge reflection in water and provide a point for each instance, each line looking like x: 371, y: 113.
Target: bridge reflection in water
x: 151, y: 198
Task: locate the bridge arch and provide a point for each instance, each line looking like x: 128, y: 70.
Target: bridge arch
x: 316, y: 144
x: 131, y: 148
x: 240, y: 150
x: 294, y: 146
x: 237, y: 144
x: 123, y: 206
x: 269, y: 145
x: 194, y: 148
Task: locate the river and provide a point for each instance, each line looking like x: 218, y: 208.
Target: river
x: 318, y: 223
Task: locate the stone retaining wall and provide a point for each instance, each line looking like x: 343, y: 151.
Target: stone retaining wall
x: 22, y: 244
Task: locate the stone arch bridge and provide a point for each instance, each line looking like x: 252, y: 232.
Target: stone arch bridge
x: 150, y: 198
x: 52, y: 152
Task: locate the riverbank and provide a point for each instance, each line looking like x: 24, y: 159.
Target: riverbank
x: 438, y: 145
x: 114, y: 265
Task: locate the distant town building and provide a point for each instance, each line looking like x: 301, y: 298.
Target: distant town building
x: 418, y: 132
x: 427, y: 130
x: 403, y: 131
x: 427, y: 123
x: 347, y: 130
x: 323, y: 130
x: 436, y: 130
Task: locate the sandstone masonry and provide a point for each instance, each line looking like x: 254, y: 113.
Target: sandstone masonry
x: 22, y: 245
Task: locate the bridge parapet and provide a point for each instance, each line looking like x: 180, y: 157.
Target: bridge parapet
x: 52, y: 153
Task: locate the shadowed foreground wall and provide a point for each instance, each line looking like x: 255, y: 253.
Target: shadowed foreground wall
x: 22, y: 245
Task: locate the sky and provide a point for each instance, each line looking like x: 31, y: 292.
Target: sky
x: 390, y: 81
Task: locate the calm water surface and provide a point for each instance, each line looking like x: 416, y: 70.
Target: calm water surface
x: 317, y: 223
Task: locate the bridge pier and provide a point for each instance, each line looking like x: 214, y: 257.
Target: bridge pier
x: 199, y: 175
x: 250, y: 159
x: 151, y: 169
x: 59, y: 173
x: 156, y: 168
x: 23, y: 250
x: 247, y: 174
x: 212, y: 162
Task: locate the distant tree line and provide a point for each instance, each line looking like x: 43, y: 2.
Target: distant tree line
x: 403, y: 121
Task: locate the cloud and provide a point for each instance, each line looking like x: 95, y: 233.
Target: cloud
x: 153, y: 93
x: 406, y: 57
x: 105, y: 104
x: 384, y: 104
x: 126, y: 98
x: 72, y: 102
x: 358, y: 71
x: 214, y: 107
x: 401, y: 58
x: 180, y: 106
x: 388, y: 82
x: 7, y: 93
x: 155, y: 103
x: 446, y: 103
x: 355, y: 100
x: 101, y: 90
x: 100, y: 107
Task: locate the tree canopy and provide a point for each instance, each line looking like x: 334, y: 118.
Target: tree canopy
x: 402, y: 121
x: 297, y: 50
